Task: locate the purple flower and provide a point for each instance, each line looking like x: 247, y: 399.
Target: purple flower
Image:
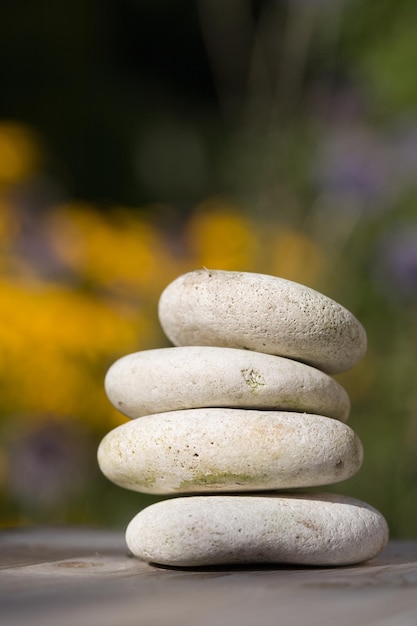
x: 45, y: 465
x: 355, y: 165
x: 404, y: 145
x: 396, y: 266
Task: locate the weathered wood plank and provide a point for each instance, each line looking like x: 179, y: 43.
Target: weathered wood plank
x: 85, y: 575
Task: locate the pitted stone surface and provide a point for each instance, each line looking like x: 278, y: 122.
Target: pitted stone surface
x: 261, y: 313
x: 214, y: 450
x: 170, y: 379
x: 314, y: 529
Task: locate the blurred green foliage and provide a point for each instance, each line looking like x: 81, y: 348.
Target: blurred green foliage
x: 139, y: 140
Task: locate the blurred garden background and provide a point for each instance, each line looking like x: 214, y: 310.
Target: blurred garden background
x: 140, y: 140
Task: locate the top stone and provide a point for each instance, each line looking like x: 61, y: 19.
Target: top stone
x: 261, y: 313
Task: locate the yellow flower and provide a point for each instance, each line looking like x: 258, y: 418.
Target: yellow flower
x: 122, y: 249
x: 20, y: 152
x: 295, y: 256
x: 221, y: 237
x: 56, y: 344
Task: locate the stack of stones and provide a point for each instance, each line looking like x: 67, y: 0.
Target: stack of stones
x: 243, y: 415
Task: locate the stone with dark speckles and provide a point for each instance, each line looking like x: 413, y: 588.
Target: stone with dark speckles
x: 261, y: 313
x: 299, y: 529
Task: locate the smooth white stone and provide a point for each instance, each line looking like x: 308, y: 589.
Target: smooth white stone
x: 169, y: 379
x: 212, y: 450
x: 315, y: 529
x: 261, y: 313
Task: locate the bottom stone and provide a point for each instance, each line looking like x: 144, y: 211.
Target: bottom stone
x: 299, y: 529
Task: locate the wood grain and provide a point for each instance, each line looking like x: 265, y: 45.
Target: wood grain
x: 62, y: 576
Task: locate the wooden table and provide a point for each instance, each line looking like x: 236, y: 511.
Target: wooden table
x: 68, y: 577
